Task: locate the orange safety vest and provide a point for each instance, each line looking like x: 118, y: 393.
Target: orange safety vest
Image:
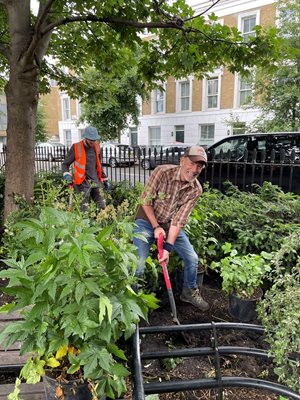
x: 80, y: 162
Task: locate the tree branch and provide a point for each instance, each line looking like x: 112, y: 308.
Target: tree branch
x: 217, y: 39
x: 36, y: 46
x: 175, y: 23
x: 115, y: 21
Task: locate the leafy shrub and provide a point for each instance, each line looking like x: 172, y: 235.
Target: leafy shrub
x: 242, y: 274
x: 254, y: 222
x: 71, y: 279
x: 280, y: 315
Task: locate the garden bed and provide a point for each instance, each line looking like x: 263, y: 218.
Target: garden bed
x: 203, y: 367
x: 198, y: 367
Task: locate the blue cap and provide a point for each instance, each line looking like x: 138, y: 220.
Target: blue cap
x: 91, y: 133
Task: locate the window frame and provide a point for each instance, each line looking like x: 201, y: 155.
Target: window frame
x: 237, y: 90
x: 68, y: 137
x: 216, y: 76
x: 155, y: 101
x: 207, y: 141
x: 179, y: 96
x: 157, y: 141
x: 66, y: 112
x: 241, y: 19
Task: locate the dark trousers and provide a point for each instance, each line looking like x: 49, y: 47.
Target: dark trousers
x: 90, y: 192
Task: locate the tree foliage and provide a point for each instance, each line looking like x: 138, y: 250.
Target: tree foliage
x: 110, y: 102
x: 80, y: 34
x: 40, y: 132
x: 279, y: 95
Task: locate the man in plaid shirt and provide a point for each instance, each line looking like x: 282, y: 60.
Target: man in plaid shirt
x: 167, y: 201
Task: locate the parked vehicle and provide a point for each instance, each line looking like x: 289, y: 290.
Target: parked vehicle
x: 162, y: 155
x: 253, y: 158
x: 260, y: 143
x: 116, y: 154
x: 50, y: 151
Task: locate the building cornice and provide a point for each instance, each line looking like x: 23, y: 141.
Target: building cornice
x: 228, y: 7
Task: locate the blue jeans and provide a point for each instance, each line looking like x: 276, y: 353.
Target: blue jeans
x: 182, y: 247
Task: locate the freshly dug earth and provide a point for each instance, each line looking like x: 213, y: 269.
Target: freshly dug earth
x: 197, y: 367
x: 203, y: 367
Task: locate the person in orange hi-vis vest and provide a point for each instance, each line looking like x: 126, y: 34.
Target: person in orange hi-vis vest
x: 88, y: 175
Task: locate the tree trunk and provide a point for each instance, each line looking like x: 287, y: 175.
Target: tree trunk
x: 22, y: 96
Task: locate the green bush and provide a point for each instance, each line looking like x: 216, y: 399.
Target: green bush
x: 242, y: 274
x: 254, y: 222
x: 71, y: 280
x: 279, y: 312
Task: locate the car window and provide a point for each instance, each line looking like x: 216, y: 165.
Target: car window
x: 236, y: 146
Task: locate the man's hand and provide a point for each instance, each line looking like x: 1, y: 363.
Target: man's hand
x: 164, y: 258
x: 159, y: 230
x: 67, y: 177
x: 107, y: 185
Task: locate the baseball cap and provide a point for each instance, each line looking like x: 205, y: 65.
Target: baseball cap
x: 196, y: 154
x: 91, y: 133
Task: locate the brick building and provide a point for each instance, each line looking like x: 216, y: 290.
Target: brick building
x: 193, y: 111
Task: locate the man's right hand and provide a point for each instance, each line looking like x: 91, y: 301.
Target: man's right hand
x: 67, y: 177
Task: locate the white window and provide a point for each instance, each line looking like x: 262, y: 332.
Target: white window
x: 133, y: 136
x: 66, y: 108
x: 184, y: 96
x: 246, y: 23
x: 244, y: 90
x: 212, y: 86
x: 68, y: 137
x: 207, y: 134
x: 154, y: 136
x: 179, y: 133
x: 159, y: 101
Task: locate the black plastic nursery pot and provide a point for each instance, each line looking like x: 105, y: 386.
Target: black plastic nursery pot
x: 243, y: 310
x: 72, y: 390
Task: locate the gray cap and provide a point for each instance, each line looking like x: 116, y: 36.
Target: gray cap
x: 91, y: 133
x: 196, y: 154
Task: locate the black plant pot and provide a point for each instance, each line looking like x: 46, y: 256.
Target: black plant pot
x: 243, y: 309
x: 73, y: 390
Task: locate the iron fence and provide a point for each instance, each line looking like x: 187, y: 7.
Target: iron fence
x: 136, y: 164
x: 219, y: 382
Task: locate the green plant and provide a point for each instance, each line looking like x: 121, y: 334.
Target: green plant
x: 280, y: 315
x: 242, y: 275
x: 72, y: 280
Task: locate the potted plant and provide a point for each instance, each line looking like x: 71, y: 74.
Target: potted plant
x: 71, y: 281
x: 242, y: 277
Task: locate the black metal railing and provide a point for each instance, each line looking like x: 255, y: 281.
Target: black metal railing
x: 136, y: 164
x: 219, y: 382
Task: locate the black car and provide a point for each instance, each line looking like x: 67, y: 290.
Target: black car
x: 151, y: 158
x: 116, y: 154
x: 254, y: 158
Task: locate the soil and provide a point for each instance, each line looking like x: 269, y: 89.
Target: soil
x: 202, y: 366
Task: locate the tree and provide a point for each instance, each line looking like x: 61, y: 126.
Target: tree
x: 82, y: 33
x: 278, y: 93
x: 40, y: 131
x: 110, y: 102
